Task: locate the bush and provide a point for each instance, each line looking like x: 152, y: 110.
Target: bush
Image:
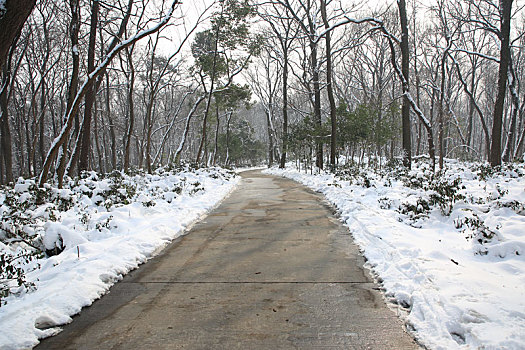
x: 444, y: 193
x: 12, y: 273
x: 119, y: 192
x: 479, y: 232
x: 439, y: 192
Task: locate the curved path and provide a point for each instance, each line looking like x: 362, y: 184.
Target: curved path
x: 270, y: 268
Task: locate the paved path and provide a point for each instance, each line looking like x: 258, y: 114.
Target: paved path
x: 270, y: 268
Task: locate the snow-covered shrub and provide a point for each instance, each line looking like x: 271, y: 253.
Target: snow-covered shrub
x: 479, y: 232
x: 25, y: 208
x: 516, y: 206
x: 415, y: 211
x: 485, y: 171
x: 385, y: 203
x: 12, y: 272
x: 444, y: 192
x: 119, y: 192
x: 437, y: 190
x: 354, y: 174
x: 38, y: 223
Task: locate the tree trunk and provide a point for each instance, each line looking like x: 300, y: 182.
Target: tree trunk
x: 317, y: 105
x: 6, y: 141
x: 270, y: 138
x: 215, y: 149
x: 187, y: 129
x: 329, y: 88
x: 11, y: 23
x: 227, y: 160
x: 112, y: 134
x: 405, y: 69
x: 285, y: 109
x: 485, y: 129
x: 471, y: 107
x: 7, y: 152
x: 419, y: 126
x: 511, y: 134
x: 131, y: 110
x: 441, y: 117
x: 521, y: 144
x: 210, y: 94
x: 85, y: 145
x: 149, y: 127
x: 495, y: 149
x: 97, y: 141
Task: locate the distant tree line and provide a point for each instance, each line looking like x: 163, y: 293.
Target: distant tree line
x: 441, y: 79
x: 103, y: 85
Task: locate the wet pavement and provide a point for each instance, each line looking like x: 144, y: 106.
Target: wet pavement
x: 270, y: 268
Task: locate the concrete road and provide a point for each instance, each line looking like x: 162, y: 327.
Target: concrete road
x: 270, y: 268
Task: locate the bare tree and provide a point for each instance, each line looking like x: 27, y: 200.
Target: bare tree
x: 405, y: 70
x: 504, y: 60
x: 99, y: 70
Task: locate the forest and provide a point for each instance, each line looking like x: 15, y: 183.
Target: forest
x: 124, y: 122
x: 105, y: 85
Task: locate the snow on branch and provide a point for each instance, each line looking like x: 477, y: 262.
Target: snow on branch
x: 100, y: 69
x: 474, y: 53
x: 187, y: 127
x: 348, y: 20
x: 391, y: 38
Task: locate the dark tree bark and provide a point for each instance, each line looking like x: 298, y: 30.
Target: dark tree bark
x: 405, y: 69
x: 285, y: 109
x: 329, y: 87
x: 85, y: 145
x: 471, y: 108
x: 285, y: 41
x: 112, y: 133
x: 317, y: 97
x: 495, y: 149
x: 7, y: 152
x: 228, y: 120
x: 131, y: 107
x: 441, y: 112
x: 309, y: 30
x: 11, y: 23
x: 6, y: 141
x: 217, y: 126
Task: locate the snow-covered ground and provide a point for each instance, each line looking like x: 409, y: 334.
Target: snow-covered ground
x: 451, y: 252
x: 242, y: 170
x: 103, y: 239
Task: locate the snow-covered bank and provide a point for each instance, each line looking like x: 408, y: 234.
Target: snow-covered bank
x: 451, y: 252
x: 104, y: 236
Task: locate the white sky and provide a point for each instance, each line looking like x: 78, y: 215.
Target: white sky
x: 191, y: 9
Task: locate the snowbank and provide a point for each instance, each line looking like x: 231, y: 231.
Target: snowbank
x: 458, y: 266
x: 103, y: 241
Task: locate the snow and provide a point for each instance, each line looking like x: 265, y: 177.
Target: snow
x: 458, y: 293
x: 243, y: 169
x: 102, y: 245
